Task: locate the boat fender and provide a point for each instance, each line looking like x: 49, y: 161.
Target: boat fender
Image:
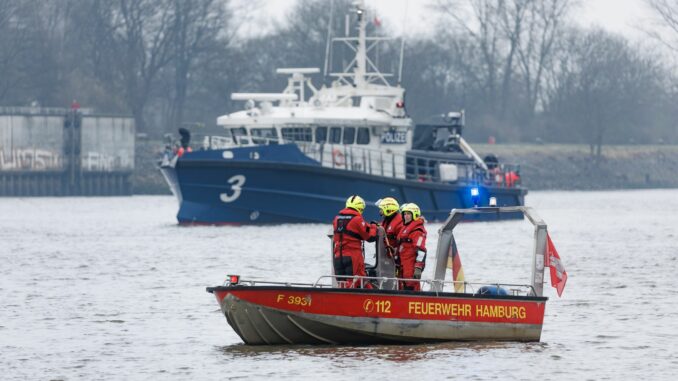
x: 338, y: 158
x: 491, y: 290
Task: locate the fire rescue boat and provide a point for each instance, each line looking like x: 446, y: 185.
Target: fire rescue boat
x: 274, y: 313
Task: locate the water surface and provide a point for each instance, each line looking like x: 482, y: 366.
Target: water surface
x: 112, y: 288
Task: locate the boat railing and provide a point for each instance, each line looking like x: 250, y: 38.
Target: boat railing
x: 409, y: 165
x: 393, y: 164
x: 386, y: 283
x: 381, y: 162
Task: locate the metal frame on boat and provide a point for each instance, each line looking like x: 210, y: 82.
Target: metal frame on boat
x: 272, y: 313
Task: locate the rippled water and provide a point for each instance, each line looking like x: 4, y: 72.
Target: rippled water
x: 111, y: 288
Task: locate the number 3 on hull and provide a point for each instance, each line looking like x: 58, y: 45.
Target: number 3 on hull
x: 236, y: 182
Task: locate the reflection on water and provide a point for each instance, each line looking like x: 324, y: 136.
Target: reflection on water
x: 112, y: 288
x: 395, y: 353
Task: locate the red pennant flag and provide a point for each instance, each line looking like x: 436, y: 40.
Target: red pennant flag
x: 552, y: 260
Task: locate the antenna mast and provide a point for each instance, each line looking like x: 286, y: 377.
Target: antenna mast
x: 329, y: 36
x: 402, y: 47
x: 361, y: 53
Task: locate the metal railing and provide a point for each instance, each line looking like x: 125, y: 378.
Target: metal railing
x: 379, y: 283
x: 386, y: 163
x: 41, y: 111
x: 379, y: 162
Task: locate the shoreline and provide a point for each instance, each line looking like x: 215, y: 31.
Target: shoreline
x: 571, y: 167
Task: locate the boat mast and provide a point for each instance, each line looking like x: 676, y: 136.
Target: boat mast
x: 361, y: 53
x: 329, y: 41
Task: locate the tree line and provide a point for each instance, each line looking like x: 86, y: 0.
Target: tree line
x: 522, y: 69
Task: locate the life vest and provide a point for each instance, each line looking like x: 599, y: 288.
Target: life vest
x: 409, y: 242
x: 512, y: 179
x: 350, y: 231
x: 392, y: 226
x: 341, y: 228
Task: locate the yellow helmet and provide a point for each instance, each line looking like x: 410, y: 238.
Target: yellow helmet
x: 412, y: 208
x: 388, y: 206
x: 356, y: 202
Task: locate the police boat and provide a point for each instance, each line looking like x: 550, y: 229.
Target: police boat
x: 313, y: 146
x: 324, y: 312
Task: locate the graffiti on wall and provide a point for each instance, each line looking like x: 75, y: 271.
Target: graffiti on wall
x: 29, y: 159
x: 42, y: 160
x: 96, y: 161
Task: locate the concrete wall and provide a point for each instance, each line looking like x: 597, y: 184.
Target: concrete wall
x: 53, y: 154
x: 107, y: 144
x: 36, y: 143
x: 31, y: 143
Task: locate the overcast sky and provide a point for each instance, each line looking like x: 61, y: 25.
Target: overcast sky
x: 622, y: 16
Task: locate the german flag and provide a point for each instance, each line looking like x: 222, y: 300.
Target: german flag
x: 454, y: 264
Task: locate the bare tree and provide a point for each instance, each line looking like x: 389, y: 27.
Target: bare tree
x: 666, y: 30
x: 606, y: 88
x: 15, y: 33
x: 544, y: 26
x: 484, y: 29
x: 132, y: 41
x: 512, y: 22
x: 199, y: 28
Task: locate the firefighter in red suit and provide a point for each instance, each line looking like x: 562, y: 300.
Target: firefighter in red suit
x: 412, y: 246
x: 392, y: 222
x: 350, y: 230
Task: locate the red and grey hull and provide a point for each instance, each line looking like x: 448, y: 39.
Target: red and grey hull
x: 271, y: 315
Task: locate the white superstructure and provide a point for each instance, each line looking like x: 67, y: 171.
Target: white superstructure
x: 358, y: 122
x: 360, y: 110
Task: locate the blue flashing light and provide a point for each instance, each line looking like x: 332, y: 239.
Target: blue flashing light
x: 474, y: 192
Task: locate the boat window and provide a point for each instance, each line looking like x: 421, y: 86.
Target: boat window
x: 321, y: 134
x: 363, y: 135
x: 349, y: 135
x: 335, y: 135
x: 240, y: 135
x: 297, y: 134
x: 227, y: 132
x: 263, y: 135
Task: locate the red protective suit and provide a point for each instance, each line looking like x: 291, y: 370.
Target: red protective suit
x: 512, y: 179
x: 412, y: 240
x: 392, y: 226
x: 350, y: 230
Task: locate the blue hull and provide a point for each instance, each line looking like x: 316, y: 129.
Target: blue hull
x: 278, y: 184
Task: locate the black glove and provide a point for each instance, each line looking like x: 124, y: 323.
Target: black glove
x: 417, y: 272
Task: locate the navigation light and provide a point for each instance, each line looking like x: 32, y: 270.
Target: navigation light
x: 233, y: 279
x: 475, y: 196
